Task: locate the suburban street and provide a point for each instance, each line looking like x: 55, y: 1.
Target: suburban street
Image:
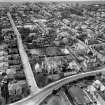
x: 24, y: 58
x: 52, y: 53
x: 35, y: 99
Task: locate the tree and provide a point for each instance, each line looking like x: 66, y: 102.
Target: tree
x: 24, y: 32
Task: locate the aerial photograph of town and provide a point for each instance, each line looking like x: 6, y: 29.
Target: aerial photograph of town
x: 52, y: 52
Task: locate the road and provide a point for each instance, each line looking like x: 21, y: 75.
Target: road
x: 36, y: 98
x: 27, y: 68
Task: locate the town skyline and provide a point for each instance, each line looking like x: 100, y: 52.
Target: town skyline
x: 46, y: 0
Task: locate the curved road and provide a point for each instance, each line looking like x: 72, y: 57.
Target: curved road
x: 37, y: 98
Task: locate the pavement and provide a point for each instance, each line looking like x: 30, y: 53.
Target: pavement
x: 36, y: 99
x: 26, y: 65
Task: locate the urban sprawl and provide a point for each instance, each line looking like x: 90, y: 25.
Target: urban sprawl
x: 43, y: 43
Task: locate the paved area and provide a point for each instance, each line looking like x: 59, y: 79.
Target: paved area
x: 27, y: 68
x: 40, y: 96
